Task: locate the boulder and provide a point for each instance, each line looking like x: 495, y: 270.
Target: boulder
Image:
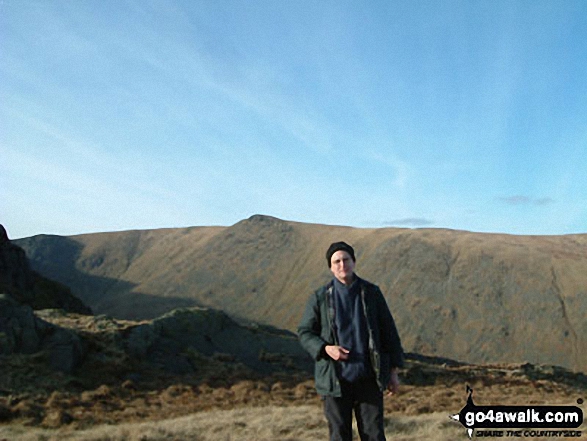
x: 169, y: 340
x: 23, y: 332
x: 18, y: 327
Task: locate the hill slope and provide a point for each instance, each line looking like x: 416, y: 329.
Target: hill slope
x: 18, y: 281
x: 468, y: 296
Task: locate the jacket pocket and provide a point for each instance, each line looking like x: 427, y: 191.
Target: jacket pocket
x: 323, y: 376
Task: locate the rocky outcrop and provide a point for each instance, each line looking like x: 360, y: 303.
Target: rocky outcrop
x: 23, y: 332
x: 26, y: 286
x: 16, y: 278
x: 179, y: 342
x: 171, y: 342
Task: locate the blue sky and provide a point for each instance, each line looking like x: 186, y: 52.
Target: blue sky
x: 119, y: 115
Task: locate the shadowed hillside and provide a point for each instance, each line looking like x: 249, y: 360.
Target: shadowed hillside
x: 468, y: 296
x: 24, y: 285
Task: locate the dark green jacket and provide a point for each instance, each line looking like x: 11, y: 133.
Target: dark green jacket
x: 316, y: 330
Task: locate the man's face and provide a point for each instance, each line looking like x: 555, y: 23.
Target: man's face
x: 342, y: 266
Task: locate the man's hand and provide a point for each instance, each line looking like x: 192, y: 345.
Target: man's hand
x: 337, y: 352
x: 393, y: 386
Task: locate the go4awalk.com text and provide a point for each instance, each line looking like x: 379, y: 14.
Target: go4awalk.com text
x: 520, y: 421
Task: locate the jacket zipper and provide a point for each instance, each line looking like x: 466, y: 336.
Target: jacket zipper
x: 329, y: 308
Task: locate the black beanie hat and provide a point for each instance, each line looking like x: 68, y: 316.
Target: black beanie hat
x: 339, y: 246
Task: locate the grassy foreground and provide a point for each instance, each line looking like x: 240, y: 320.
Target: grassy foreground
x: 262, y: 424
x: 270, y: 423
x: 224, y: 400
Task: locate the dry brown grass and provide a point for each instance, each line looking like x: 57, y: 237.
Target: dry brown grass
x: 255, y: 424
x: 248, y: 410
x: 261, y: 424
x: 218, y: 404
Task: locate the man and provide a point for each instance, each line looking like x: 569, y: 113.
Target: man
x: 349, y: 332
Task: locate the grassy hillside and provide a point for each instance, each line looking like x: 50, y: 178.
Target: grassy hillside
x: 468, y: 296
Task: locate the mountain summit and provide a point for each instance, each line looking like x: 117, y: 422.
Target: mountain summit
x: 467, y: 296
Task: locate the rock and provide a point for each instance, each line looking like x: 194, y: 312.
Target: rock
x: 139, y: 340
x: 65, y: 349
x: 18, y: 327
x: 16, y: 277
x: 23, y: 332
x: 168, y: 341
x: 3, y: 235
x: 19, y: 281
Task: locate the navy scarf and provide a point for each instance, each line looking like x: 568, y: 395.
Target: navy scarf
x: 351, y: 329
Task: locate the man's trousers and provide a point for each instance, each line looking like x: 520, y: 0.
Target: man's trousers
x: 366, y: 400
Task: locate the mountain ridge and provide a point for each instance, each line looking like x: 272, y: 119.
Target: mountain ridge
x: 476, y: 297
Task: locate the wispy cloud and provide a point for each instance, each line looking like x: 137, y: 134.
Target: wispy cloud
x: 126, y: 114
x: 525, y: 200
x: 410, y: 222
x: 544, y: 201
x: 400, y: 168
